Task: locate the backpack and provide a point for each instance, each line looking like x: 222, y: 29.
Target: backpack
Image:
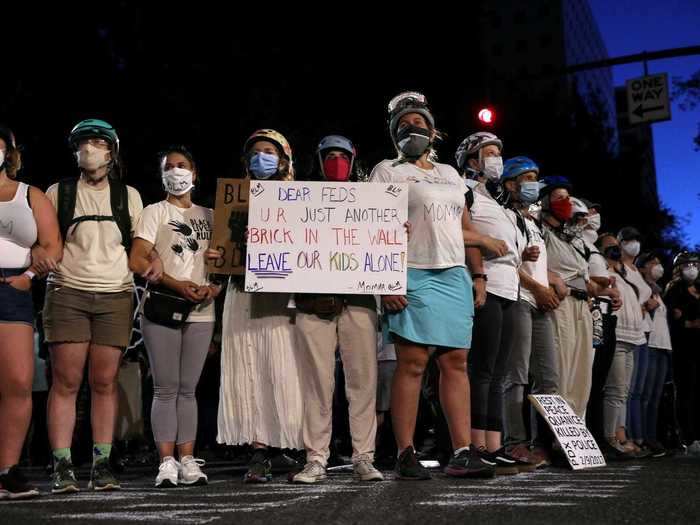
x: 119, y: 200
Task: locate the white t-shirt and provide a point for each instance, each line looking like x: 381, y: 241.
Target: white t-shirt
x: 597, y: 265
x: 94, y: 258
x: 535, y: 269
x: 660, y: 336
x: 436, y: 201
x: 636, y: 278
x: 630, y: 323
x: 180, y: 236
x: 492, y: 219
x: 566, y: 259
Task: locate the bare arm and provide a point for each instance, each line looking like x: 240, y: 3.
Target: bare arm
x: 49, y: 237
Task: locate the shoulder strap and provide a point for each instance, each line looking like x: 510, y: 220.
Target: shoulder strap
x: 119, y: 197
x: 67, y: 194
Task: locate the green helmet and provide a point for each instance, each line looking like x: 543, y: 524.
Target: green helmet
x: 93, y: 128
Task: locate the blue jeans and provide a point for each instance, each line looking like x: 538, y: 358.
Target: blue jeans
x: 657, y: 369
x: 639, y: 394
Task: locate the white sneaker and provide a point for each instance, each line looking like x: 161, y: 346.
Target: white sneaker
x: 694, y: 448
x: 167, y: 473
x: 190, y: 473
x: 313, y: 473
x: 364, y: 470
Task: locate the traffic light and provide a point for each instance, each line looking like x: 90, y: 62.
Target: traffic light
x: 487, y: 116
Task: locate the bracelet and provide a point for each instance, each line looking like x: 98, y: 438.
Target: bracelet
x: 29, y: 274
x: 480, y: 276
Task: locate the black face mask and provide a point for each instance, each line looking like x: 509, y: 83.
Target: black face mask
x: 413, y: 141
x: 613, y: 253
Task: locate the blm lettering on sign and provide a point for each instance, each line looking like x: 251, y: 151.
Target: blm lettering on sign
x: 230, y: 223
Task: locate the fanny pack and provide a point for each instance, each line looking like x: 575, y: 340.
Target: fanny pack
x: 165, y: 307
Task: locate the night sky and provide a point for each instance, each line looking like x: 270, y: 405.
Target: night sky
x: 632, y: 26
x: 207, y: 78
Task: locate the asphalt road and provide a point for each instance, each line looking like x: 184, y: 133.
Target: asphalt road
x: 649, y: 491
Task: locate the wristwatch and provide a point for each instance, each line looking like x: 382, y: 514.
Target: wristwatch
x: 480, y: 276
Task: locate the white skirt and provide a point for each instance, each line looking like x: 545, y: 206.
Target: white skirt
x: 260, y: 397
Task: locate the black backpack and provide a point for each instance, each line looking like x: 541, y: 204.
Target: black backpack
x: 119, y: 200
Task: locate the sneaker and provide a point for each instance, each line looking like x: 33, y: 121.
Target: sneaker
x: 191, y: 473
x: 14, y: 485
x: 693, y: 449
x: 611, y: 452
x: 363, y: 470
x: 540, y: 457
x: 167, y: 473
x: 505, y: 464
x: 409, y: 468
x: 260, y: 468
x: 313, y: 472
x: 657, y: 449
x: 468, y: 463
x: 523, y: 458
x: 63, y: 478
x: 101, y: 477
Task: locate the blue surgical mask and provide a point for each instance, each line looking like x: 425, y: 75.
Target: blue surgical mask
x: 529, y: 192
x: 263, y: 165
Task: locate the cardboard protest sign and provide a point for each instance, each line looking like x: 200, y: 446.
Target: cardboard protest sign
x: 327, y: 237
x: 579, y: 446
x: 230, y: 221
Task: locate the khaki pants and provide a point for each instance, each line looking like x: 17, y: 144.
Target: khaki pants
x: 355, y: 330
x: 573, y: 337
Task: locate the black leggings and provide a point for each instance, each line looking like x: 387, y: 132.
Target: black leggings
x: 492, y: 341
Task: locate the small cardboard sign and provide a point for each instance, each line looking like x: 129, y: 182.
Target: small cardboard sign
x: 579, y: 446
x: 230, y: 223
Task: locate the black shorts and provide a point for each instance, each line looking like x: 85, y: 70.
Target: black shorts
x: 16, y: 306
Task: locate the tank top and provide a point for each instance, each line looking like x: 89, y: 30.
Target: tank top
x: 18, y: 231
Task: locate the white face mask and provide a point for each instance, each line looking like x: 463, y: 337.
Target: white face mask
x: 590, y: 235
x: 631, y: 248
x: 657, y: 272
x: 91, y: 158
x: 2, y: 159
x: 690, y: 274
x: 593, y: 222
x: 493, y: 168
x: 177, y: 181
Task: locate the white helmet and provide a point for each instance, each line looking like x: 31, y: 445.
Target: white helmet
x: 473, y: 143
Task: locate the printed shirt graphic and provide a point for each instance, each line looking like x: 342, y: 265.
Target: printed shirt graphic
x: 180, y: 236
x: 435, y: 206
x: 94, y: 258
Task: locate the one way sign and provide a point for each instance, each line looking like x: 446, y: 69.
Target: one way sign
x: 647, y: 99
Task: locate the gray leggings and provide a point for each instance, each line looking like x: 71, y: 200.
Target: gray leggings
x: 177, y: 357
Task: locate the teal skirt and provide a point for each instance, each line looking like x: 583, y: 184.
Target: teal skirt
x: 440, y: 309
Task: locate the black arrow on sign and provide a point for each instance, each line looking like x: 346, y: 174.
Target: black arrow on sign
x: 639, y: 110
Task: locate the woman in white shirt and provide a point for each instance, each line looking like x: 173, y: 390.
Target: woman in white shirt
x: 629, y: 239
x: 630, y: 337
x: 178, y: 318
x: 438, y: 306
x: 659, y: 350
x: 27, y: 220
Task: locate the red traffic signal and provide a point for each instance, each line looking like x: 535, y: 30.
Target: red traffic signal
x: 487, y: 116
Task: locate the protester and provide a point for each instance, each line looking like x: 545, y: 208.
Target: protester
x: 27, y: 222
x: 348, y: 322
x: 260, y: 401
x: 178, y: 319
x: 88, y: 307
x: 438, y: 306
